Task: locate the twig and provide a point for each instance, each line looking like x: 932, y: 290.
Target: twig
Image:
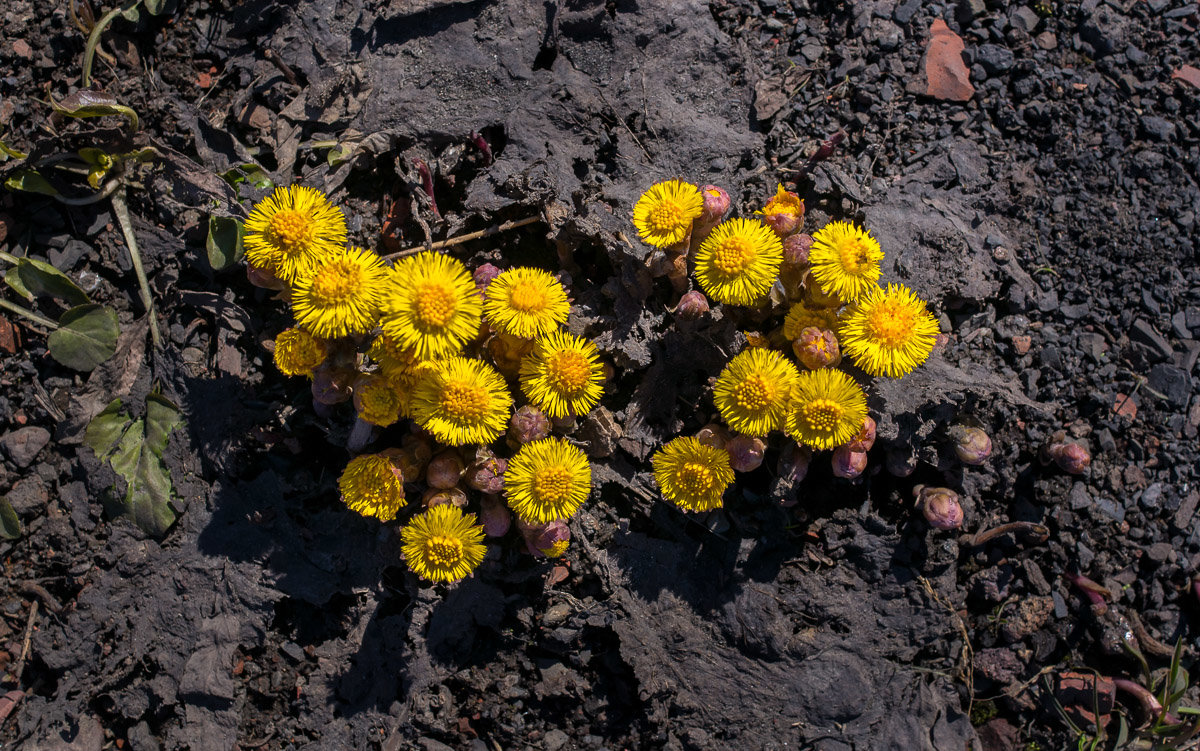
x: 33, y: 611
x: 37, y: 590
x: 1147, y: 642
x: 495, y: 229
x: 93, y: 40
x: 287, y: 72
x: 121, y: 210
x: 44, y: 322
x: 1032, y: 528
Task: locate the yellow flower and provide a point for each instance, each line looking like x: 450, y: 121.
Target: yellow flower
x: 845, y: 260
x: 431, y: 306
x: 664, y: 214
x: 691, y: 475
x: 443, y: 544
x: 739, y: 261
x: 525, y: 302
x: 297, y: 352
x: 801, y: 317
x: 390, y: 356
x: 754, y: 391
x: 341, y: 296
x: 889, y: 333
x: 556, y: 549
x: 291, y: 230
x: 784, y: 212
x: 547, y: 480
x: 828, y: 409
x: 463, y: 401
x: 378, y: 401
x: 373, y: 485
x: 563, y: 375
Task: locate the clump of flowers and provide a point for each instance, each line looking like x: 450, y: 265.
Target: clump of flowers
x: 430, y: 354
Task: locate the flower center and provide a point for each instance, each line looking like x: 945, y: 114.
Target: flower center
x: 443, y: 551
x: 666, y: 216
x: 291, y: 230
x: 380, y: 402
x: 855, y: 256
x: 435, y: 304
x: 527, y: 296
x: 552, y: 484
x: 694, y: 478
x: 464, y: 402
x: 336, y: 282
x: 734, y: 255
x: 568, y: 371
x: 822, y: 415
x: 558, y: 548
x: 890, y: 324
x: 753, y: 394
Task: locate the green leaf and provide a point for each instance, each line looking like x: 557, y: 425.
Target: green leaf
x: 10, y: 525
x: 131, y: 14
x: 31, y: 181
x: 88, y: 103
x: 248, y: 172
x: 224, y: 242
x: 87, y: 336
x: 134, y: 449
x: 159, y: 7
x: 31, y: 277
x: 7, y: 152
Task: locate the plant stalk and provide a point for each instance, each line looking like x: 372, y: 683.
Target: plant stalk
x: 121, y: 210
x: 93, y: 40
x: 43, y: 322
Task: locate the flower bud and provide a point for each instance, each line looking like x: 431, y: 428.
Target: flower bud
x: 971, y: 444
x: 545, y: 540
x: 445, y: 470
x: 263, y: 278
x: 332, y: 385
x: 784, y: 213
x: 817, y: 348
x: 713, y: 435
x: 495, y: 516
x: 940, y: 507
x: 486, y: 473
x: 484, y: 276
x: 745, y: 453
x: 437, y: 496
x: 716, y: 205
x: 1071, y: 457
x: 848, y: 464
x: 527, y: 424
x: 793, y: 463
x: 864, y: 439
x: 692, y: 305
x: 795, y: 251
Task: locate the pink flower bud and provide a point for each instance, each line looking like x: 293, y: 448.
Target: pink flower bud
x: 692, y: 305
x: 484, y: 276
x: 795, y: 250
x: 527, y: 424
x: 864, y: 439
x: 445, y: 470
x: 713, y: 435
x: 716, y: 205
x: 784, y: 213
x: 263, y: 278
x: 940, y: 507
x: 545, y: 540
x: 745, y: 453
x: 817, y: 348
x: 332, y: 385
x: 486, y: 473
x: 793, y: 463
x: 848, y: 464
x: 971, y: 444
x: 495, y: 516
x: 413, y: 455
x: 437, y: 496
x: 1071, y: 457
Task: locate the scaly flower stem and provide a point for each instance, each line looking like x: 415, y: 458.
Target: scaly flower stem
x: 44, y: 322
x: 121, y: 209
x: 1039, y: 531
x: 360, y: 435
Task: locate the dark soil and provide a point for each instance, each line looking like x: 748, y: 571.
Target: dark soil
x: 1050, y: 219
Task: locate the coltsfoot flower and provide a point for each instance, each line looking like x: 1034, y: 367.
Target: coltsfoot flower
x: 547, y: 480
x: 391, y: 357
x: 528, y: 424
x: 526, y: 302
x: 691, y: 475
x: 888, y: 333
x: 443, y: 544
x: 827, y: 410
x: 783, y: 213
x: 298, y: 352
x: 739, y: 261
x: 800, y: 317
x: 431, y: 307
x: 664, y: 214
x: 817, y: 348
x: 341, y: 295
x: 845, y: 260
x: 373, y: 485
x: 462, y: 401
x: 753, y: 392
x: 377, y: 400
x: 563, y: 375
x: 291, y: 230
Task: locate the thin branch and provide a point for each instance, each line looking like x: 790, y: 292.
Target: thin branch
x: 495, y: 229
x: 26, y: 313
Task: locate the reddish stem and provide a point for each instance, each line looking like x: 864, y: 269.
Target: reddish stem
x: 427, y: 185
x: 482, y: 144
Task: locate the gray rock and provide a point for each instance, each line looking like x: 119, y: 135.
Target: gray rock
x: 905, y: 11
x: 1024, y: 18
x: 994, y: 58
x: 1158, y: 128
x: 1142, y: 331
x: 22, y: 445
x: 1172, y: 382
x: 1106, y: 30
x: 555, y: 740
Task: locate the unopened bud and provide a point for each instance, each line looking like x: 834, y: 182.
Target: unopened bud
x: 900, y: 462
x: 692, y: 305
x: 1071, y: 457
x: 438, y: 496
x: 848, y: 464
x: 784, y: 213
x: 864, y: 439
x: 486, y: 473
x: 484, y: 276
x: 545, y: 540
x: 716, y: 205
x: 795, y: 251
x: 263, y: 278
x: 713, y: 435
x: 940, y: 507
x: 332, y: 385
x: 445, y: 470
x: 745, y: 453
x: 817, y: 348
x: 527, y: 424
x: 793, y: 463
x: 413, y: 456
x: 972, y: 445
x: 495, y: 516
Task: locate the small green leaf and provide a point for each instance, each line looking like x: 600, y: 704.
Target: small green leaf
x: 248, y: 172
x: 31, y: 181
x: 106, y: 428
x: 88, y: 103
x: 31, y: 277
x: 159, y: 7
x: 7, y: 152
x: 224, y: 242
x: 87, y: 336
x: 131, y: 14
x: 10, y: 524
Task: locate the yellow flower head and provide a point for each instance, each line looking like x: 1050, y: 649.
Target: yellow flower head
x: 443, y: 544
x: 845, y: 260
x: 784, y: 212
x: 525, y: 302
x: 556, y: 549
x: 390, y: 356
x: 664, y: 214
x: 889, y: 333
x: 739, y: 261
x: 291, y: 230
x: 341, y: 295
x: 754, y: 391
x: 548, y: 479
x: 297, y: 352
x: 828, y: 409
x: 373, y: 485
x: 431, y: 306
x: 801, y: 317
x: 377, y: 400
x: 463, y: 401
x: 691, y: 475
x: 563, y: 375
